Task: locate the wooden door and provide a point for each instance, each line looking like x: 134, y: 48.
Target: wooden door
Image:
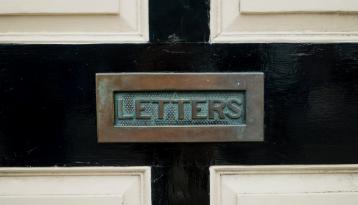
x: 48, y: 102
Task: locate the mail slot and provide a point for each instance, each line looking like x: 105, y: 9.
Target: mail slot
x: 186, y: 107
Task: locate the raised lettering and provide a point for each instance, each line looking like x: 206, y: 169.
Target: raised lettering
x: 161, y: 105
x: 139, y: 109
x: 181, y: 108
x: 120, y: 111
x: 195, y: 110
x: 216, y: 106
x: 234, y: 107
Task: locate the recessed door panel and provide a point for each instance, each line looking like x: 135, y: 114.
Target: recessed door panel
x: 75, y: 186
x: 293, y: 21
x: 59, y: 7
x: 301, y: 6
x: 282, y: 185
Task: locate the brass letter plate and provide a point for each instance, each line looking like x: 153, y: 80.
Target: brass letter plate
x: 185, y: 107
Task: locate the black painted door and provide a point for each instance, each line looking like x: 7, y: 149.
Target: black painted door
x: 48, y: 108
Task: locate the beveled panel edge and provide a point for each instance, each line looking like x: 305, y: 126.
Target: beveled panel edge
x: 221, y: 31
x: 57, y: 7
x: 217, y: 171
x: 143, y: 172
x: 294, y: 6
x: 137, y: 31
x: 70, y: 171
x: 283, y: 169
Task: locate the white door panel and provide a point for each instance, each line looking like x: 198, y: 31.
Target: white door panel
x: 303, y: 6
x: 291, y: 21
x: 298, y: 199
x: 62, y: 200
x: 284, y: 185
x: 74, y: 21
x: 59, y: 7
x: 75, y: 186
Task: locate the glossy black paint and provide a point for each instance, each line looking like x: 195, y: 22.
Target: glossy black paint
x: 179, y: 20
x: 48, y: 116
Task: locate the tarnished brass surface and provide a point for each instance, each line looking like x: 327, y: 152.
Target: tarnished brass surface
x: 185, y: 107
x: 174, y: 108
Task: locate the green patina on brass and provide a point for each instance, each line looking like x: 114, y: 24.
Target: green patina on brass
x: 189, y: 108
x: 180, y: 107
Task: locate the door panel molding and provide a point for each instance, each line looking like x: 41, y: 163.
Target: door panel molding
x: 298, y: 199
x: 14, y: 7
x: 82, y: 185
x: 82, y: 22
x: 272, y: 21
x: 313, y: 184
x: 300, y: 6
